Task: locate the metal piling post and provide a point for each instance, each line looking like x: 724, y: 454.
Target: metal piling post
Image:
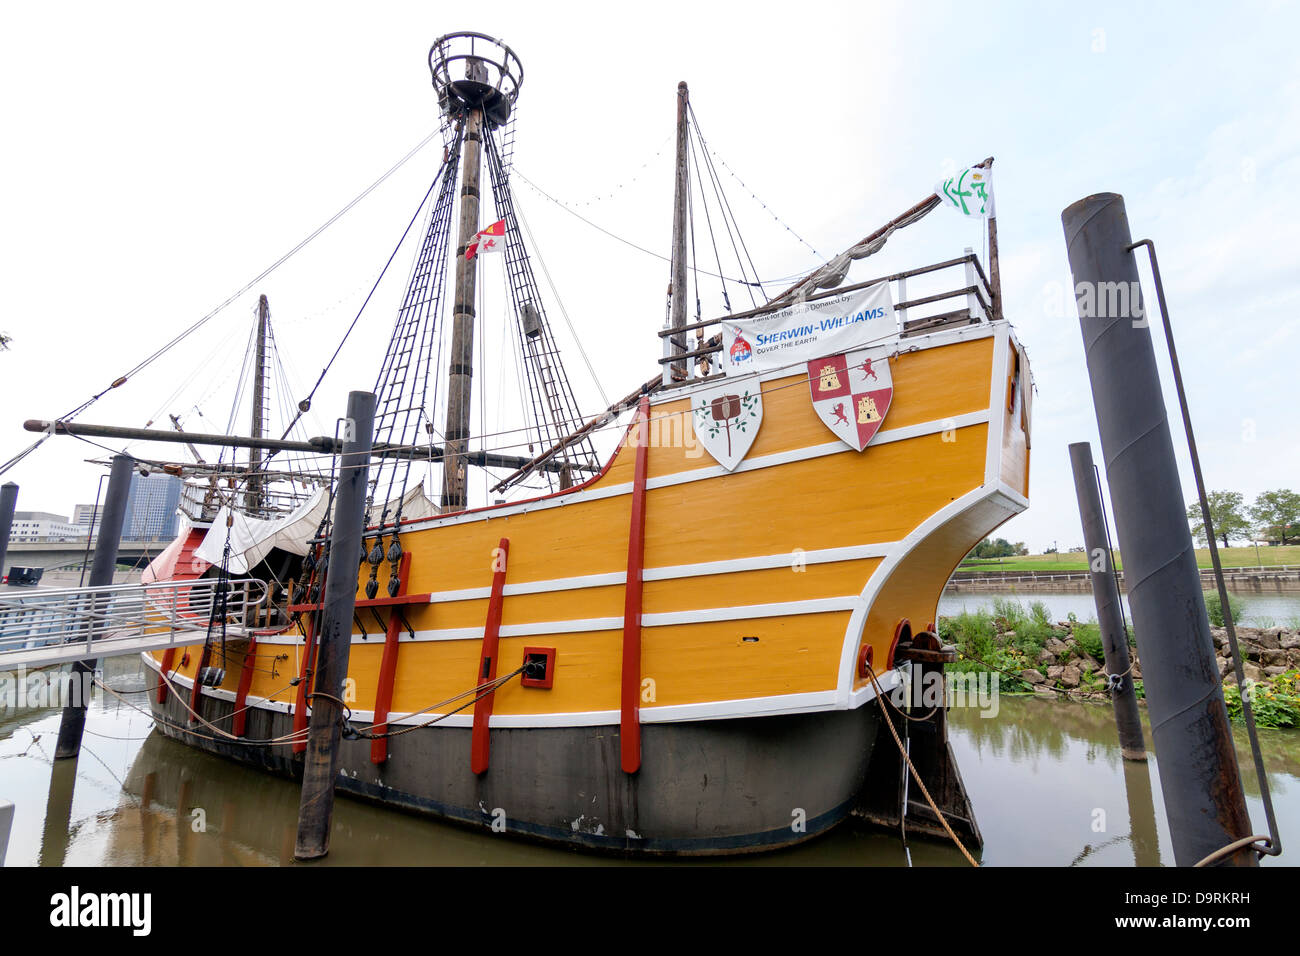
x: 1114, y: 635
x: 8, y: 498
x: 1190, y: 731
x: 101, y: 574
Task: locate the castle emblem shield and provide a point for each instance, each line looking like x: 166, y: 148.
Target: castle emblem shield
x: 851, y: 393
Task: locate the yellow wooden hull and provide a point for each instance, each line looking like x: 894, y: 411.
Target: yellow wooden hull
x: 761, y: 586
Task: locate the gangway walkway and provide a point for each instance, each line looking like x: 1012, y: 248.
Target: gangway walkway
x: 56, y: 626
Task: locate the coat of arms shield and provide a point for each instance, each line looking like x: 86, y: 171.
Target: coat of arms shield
x: 851, y: 393
x: 726, y: 419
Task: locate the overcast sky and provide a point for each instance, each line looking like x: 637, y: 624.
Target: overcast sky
x: 159, y: 156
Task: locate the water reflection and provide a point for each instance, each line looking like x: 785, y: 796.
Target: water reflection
x: 1050, y: 787
x: 1046, y: 779
x: 1143, y: 834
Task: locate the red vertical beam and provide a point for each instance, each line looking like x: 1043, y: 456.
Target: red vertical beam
x: 388, y: 668
x: 487, y: 666
x: 304, y: 686
x: 245, y: 683
x: 169, y: 656
x: 630, y: 717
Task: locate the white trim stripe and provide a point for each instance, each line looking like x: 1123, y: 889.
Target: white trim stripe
x: 996, y: 410
x: 664, y: 714
x: 807, y: 453
x: 673, y: 572
x: 982, y: 496
x: 742, y: 612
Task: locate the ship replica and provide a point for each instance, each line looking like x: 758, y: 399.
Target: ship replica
x: 692, y: 646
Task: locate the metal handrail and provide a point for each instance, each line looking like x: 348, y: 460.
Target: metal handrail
x: 105, y: 621
x: 855, y: 287
x: 509, y: 71
x: 200, y: 502
x: 975, y: 290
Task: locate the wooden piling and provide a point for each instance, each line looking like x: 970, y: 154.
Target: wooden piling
x: 320, y: 765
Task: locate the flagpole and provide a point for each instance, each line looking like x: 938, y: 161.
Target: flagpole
x: 995, y: 271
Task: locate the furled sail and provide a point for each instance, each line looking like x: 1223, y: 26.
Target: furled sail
x: 251, y: 539
x: 414, y: 504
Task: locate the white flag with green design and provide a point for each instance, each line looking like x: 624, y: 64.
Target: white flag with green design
x: 970, y: 192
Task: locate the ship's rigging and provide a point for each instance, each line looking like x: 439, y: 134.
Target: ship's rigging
x: 417, y: 386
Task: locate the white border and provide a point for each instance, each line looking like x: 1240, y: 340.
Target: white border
x: 772, y: 706
x: 853, y: 632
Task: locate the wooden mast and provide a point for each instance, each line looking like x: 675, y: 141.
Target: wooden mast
x: 460, y: 378
x: 253, y: 495
x: 677, y: 290
x: 995, y: 267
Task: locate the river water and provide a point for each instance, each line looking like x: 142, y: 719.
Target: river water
x: 1257, y: 610
x: 1046, y: 780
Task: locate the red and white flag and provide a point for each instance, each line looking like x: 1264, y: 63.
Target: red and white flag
x: 491, y: 239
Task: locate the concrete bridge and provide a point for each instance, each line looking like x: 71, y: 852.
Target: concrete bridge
x: 70, y: 553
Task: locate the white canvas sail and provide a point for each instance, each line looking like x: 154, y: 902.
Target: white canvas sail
x: 415, y: 504
x: 251, y: 539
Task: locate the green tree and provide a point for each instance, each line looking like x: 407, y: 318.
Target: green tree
x: 1227, y: 512
x: 1277, y: 514
x: 998, y: 548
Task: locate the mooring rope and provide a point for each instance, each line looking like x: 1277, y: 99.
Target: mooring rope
x: 934, y: 807
x: 481, y: 691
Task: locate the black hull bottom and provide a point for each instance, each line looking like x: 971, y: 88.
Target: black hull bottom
x: 704, y: 787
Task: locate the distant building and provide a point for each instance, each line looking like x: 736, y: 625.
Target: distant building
x: 81, y: 515
x: 34, y: 526
x: 151, y: 507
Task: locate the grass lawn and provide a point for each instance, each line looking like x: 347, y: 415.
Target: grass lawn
x: 1077, y: 561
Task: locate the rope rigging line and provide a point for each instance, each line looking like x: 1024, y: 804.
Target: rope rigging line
x: 779, y: 220
x: 690, y: 219
x: 555, y: 405
x: 713, y: 239
x: 615, y: 190
x: 194, y: 327
x: 627, y: 242
x: 728, y: 217
x: 402, y: 386
x: 934, y: 807
x: 610, y: 425
x: 480, y: 692
x: 305, y: 404
x: 564, y: 313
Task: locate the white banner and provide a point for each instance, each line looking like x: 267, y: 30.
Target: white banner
x: 808, y: 330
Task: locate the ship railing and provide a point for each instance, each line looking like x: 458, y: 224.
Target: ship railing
x: 42, y: 628
x: 943, y: 294
x: 200, y: 502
